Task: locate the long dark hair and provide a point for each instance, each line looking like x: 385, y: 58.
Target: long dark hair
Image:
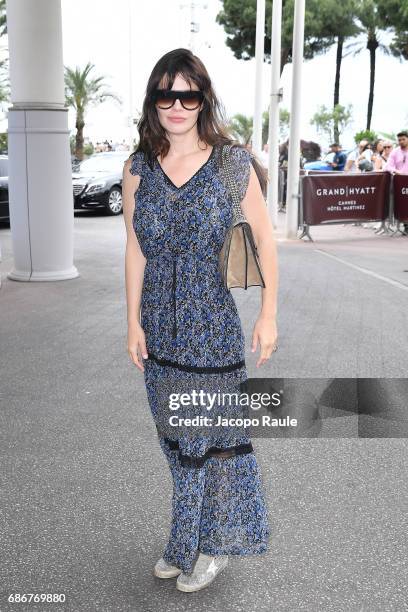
x: 211, y: 123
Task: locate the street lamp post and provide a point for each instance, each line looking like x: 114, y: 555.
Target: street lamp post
x: 259, y: 60
x: 292, y: 197
x: 131, y: 126
x: 275, y: 96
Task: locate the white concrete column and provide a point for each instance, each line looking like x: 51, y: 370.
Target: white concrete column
x: 259, y: 61
x: 40, y: 178
x: 292, y: 199
x: 131, y: 34
x: 273, y: 136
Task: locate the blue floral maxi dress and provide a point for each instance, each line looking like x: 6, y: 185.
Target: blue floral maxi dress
x: 194, y: 338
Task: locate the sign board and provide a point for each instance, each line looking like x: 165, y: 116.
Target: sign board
x: 401, y: 197
x: 345, y: 197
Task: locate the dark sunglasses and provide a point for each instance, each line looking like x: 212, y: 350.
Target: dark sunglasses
x: 165, y: 98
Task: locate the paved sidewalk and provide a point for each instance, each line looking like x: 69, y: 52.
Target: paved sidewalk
x: 86, y: 492
x: 342, y: 304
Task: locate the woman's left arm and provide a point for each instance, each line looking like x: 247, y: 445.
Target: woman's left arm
x: 256, y: 213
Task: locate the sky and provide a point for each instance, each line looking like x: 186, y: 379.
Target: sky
x: 126, y: 38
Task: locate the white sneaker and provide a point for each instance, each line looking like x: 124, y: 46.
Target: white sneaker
x: 205, y: 570
x: 162, y: 569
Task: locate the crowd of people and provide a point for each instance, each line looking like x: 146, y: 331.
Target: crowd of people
x: 381, y: 155
x: 377, y: 157
x: 366, y: 157
x: 109, y: 145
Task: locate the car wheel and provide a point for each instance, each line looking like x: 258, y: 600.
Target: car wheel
x: 114, y: 205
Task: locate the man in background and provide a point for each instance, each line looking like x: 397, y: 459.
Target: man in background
x: 339, y: 158
x: 398, y: 159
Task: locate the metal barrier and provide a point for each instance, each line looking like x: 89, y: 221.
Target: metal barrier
x: 335, y: 197
x: 399, y: 196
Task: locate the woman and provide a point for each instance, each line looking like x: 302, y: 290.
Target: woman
x: 177, y: 210
x: 382, y: 158
x: 378, y: 148
x: 359, y: 160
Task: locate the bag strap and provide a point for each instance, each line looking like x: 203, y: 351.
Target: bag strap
x: 238, y: 215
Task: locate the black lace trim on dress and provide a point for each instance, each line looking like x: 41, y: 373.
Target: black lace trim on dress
x: 213, y: 451
x: 199, y: 369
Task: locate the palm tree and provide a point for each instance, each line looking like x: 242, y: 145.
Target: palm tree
x: 3, y: 18
x: 284, y: 122
x: 395, y: 16
x: 241, y: 128
x: 345, y: 27
x: 4, y: 64
x: 4, y: 82
x: 81, y: 91
x: 371, y: 23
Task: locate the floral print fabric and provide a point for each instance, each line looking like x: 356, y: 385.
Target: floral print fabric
x: 194, y: 335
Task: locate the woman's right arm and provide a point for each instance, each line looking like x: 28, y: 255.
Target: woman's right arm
x: 134, y: 270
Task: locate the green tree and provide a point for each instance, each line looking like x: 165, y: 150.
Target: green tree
x: 265, y: 126
x: 369, y: 135
x: 82, y: 92
x: 284, y: 120
x: 238, y: 17
x: 3, y: 143
x: 326, y: 119
x: 4, y: 64
x: 88, y: 149
x: 3, y: 18
x: 394, y: 14
x: 326, y: 23
x: 341, y: 17
x: 241, y: 128
x: 372, y: 24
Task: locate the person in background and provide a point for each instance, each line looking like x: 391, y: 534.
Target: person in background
x: 264, y: 155
x: 381, y: 160
x: 378, y: 148
x: 339, y: 159
x: 397, y: 162
x: 283, y: 155
x: 360, y: 158
x: 364, y: 161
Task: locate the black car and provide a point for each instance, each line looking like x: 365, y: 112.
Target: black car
x: 98, y: 182
x: 4, y: 197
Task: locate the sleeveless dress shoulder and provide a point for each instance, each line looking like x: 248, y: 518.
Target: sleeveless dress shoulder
x: 136, y: 166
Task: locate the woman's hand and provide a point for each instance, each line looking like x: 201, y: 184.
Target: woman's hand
x: 137, y: 345
x: 266, y: 332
